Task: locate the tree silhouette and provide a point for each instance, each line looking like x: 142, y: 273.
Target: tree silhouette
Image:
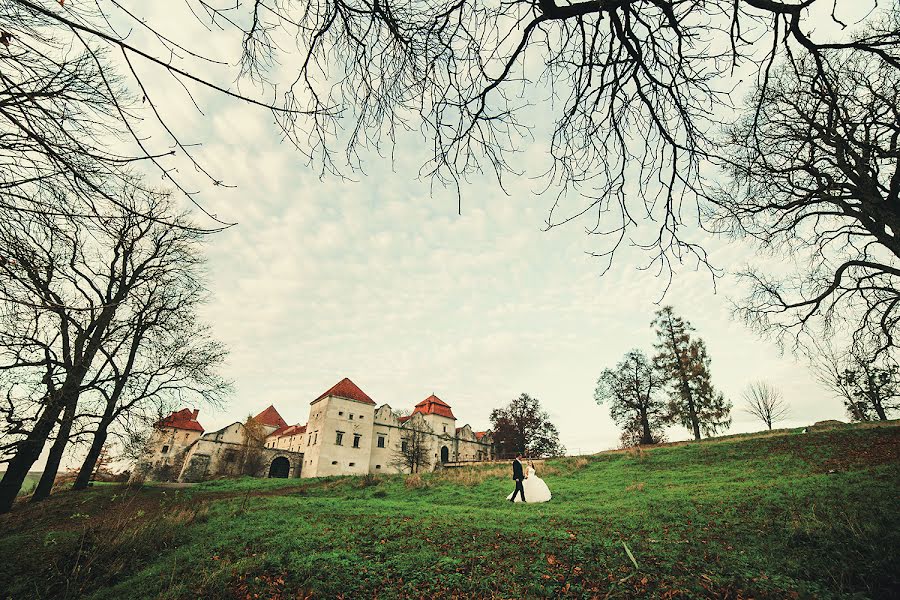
x: 632, y: 391
x: 683, y: 363
x: 523, y: 427
x: 765, y: 402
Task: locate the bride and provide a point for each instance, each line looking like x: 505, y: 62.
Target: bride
x: 536, y: 489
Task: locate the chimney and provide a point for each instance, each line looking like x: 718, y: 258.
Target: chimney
x: 194, y: 415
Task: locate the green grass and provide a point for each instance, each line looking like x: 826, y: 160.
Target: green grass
x: 787, y: 515
x: 31, y: 481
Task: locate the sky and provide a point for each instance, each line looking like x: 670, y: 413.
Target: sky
x: 382, y: 280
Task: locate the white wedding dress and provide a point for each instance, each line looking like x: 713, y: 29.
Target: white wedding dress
x: 536, y: 489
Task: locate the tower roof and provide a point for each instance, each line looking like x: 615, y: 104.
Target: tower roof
x: 182, y: 419
x: 271, y: 418
x: 432, y: 405
x: 346, y: 389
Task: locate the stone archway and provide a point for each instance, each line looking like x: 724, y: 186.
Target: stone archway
x: 445, y: 454
x: 281, y: 468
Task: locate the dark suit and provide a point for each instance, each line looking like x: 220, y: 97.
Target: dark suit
x: 518, y: 476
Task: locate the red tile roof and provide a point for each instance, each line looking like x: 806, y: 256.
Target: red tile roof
x: 405, y: 419
x: 288, y: 430
x: 480, y: 434
x: 182, y: 419
x: 346, y: 389
x: 432, y: 405
x: 271, y: 418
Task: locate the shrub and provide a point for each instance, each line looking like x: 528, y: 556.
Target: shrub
x: 368, y: 480
x: 415, y: 481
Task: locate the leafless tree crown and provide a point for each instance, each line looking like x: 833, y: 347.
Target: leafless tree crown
x: 765, y: 402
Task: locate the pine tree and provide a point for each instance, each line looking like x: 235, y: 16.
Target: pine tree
x: 684, y: 363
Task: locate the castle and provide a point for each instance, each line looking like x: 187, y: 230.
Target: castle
x: 345, y: 435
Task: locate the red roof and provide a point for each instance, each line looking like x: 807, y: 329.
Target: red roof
x: 346, y: 389
x: 480, y: 434
x: 288, y: 430
x: 271, y: 418
x: 432, y: 405
x: 405, y: 419
x: 182, y: 419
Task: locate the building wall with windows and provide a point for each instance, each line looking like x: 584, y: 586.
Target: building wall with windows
x: 346, y: 434
x: 339, y: 437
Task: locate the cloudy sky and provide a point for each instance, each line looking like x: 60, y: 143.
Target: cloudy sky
x: 382, y: 281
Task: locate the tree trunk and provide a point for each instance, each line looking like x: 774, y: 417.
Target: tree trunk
x: 879, y: 410
x: 646, y: 435
x: 27, y: 452
x: 692, y: 412
x: 48, y: 477
x: 90, y: 461
x: 30, y: 448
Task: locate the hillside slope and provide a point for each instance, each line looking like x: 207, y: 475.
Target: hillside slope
x: 802, y: 515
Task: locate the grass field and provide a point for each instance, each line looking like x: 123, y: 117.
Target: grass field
x: 31, y: 481
x: 792, y: 515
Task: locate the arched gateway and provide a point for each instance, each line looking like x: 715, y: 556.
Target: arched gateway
x: 281, y: 468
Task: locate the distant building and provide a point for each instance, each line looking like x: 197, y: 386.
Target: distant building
x: 346, y: 435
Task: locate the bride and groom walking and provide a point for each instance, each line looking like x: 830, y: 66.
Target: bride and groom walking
x: 530, y: 487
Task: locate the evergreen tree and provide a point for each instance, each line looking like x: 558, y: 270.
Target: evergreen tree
x: 684, y: 364
x: 631, y: 389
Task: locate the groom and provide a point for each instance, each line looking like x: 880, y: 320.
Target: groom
x: 518, y: 476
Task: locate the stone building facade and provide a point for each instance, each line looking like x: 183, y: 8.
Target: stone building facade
x: 347, y: 434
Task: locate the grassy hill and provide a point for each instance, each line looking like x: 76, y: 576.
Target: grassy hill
x: 31, y: 481
x: 791, y: 515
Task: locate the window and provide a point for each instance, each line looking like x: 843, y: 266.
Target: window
x: 340, y: 413
x: 339, y: 439
x: 377, y: 466
x: 360, y: 417
x: 315, y: 437
x: 309, y: 440
x: 334, y: 462
x: 352, y: 464
x: 445, y: 429
x: 351, y: 416
x: 165, y: 449
x: 404, y: 446
x: 356, y: 438
x: 381, y: 441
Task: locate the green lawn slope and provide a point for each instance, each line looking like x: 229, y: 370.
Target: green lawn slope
x: 789, y: 515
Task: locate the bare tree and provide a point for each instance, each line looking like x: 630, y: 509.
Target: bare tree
x: 251, y: 459
x: 70, y: 276
x: 815, y: 176
x: 867, y: 381
x: 163, y: 360
x: 80, y: 102
x: 635, y: 86
x: 765, y: 402
x: 416, y: 445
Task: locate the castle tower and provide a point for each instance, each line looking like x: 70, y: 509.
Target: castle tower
x: 168, y: 445
x: 339, y: 432
x: 439, y: 416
